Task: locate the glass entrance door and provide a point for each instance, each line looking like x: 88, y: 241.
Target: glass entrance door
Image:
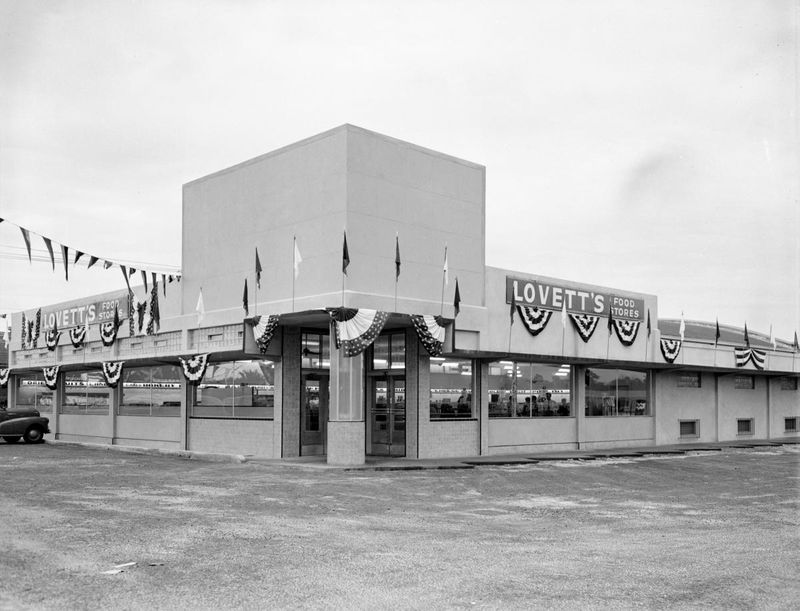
x: 314, y: 414
x: 388, y: 416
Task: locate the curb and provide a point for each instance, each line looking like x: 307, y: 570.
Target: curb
x: 185, y: 454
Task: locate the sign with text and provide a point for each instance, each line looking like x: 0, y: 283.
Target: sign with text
x: 550, y: 296
x: 96, y: 312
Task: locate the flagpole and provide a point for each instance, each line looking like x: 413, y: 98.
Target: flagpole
x: 444, y: 273
x: 294, y: 247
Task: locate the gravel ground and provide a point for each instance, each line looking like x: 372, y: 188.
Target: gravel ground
x: 706, y: 530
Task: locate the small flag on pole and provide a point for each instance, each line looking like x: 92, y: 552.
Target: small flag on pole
x: 610, y: 321
x: 772, y: 339
x: 244, y: 299
x: 511, y: 311
x: 746, y: 335
x: 796, y: 345
x: 717, y: 333
x: 297, y: 260
x: 200, y: 308
x: 682, y: 328
x: 563, y: 314
x: 649, y: 328
x: 345, y: 255
x: 444, y: 270
x: 396, y: 257
x: 258, y: 270
x: 457, y: 300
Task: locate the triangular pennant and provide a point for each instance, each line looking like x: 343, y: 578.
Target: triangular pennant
x: 27, y: 237
x: 92, y: 261
x: 49, y: 246
x: 78, y: 255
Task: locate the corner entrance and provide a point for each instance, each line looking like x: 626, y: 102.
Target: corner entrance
x: 314, y: 401
x: 386, y: 433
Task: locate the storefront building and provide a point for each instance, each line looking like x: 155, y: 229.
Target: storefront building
x: 365, y: 349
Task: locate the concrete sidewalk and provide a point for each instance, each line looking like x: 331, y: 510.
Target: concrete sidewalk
x: 410, y: 464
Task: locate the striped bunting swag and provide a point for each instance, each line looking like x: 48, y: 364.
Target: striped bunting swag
x: 534, y: 319
x: 263, y: 330
x: 584, y: 324
x: 746, y: 355
x: 112, y: 372
x: 430, y: 332
x: 50, y: 376
x: 670, y: 349
x: 194, y: 368
x: 626, y: 330
x: 108, y: 333
x: 355, y: 330
x: 4, y: 373
x: 77, y: 335
x: 51, y: 338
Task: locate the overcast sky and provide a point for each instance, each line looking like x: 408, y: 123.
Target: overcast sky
x: 649, y: 146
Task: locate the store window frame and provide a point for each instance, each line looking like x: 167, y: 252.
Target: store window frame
x: 532, y: 410
x: 611, y: 406
x: 86, y: 407
x: 195, y: 414
x: 465, y: 405
x: 41, y: 404
x: 166, y: 410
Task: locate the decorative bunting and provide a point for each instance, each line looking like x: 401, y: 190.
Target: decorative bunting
x: 27, y: 237
x: 535, y: 319
x: 131, y: 312
x: 626, y: 330
x: 141, y: 308
x: 585, y: 324
x: 194, y: 368
x: 670, y: 349
x: 108, y: 332
x: 77, y: 336
x: 430, y: 331
x: 65, y: 258
x: 4, y: 374
x: 52, y: 336
x: 112, y: 371
x: 37, y: 328
x: 356, y: 329
x: 24, y: 332
x: 263, y: 330
x: 49, y: 246
x: 747, y: 355
x: 50, y: 376
x: 154, y: 322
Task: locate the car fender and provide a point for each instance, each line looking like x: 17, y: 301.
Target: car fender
x: 18, y: 426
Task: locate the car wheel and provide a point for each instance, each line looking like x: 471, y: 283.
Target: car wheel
x: 14, y: 439
x: 34, y: 435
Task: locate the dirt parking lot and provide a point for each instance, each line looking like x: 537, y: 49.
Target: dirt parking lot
x: 707, y: 530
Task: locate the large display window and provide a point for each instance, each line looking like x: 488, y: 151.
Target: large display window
x: 451, y: 389
x: 236, y: 389
x: 32, y: 392
x: 85, y: 393
x: 617, y: 392
x: 151, y: 391
x: 520, y: 389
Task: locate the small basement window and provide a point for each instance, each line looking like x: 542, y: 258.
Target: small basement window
x: 790, y: 425
x: 689, y: 428
x: 788, y: 383
x: 744, y: 426
x: 744, y: 382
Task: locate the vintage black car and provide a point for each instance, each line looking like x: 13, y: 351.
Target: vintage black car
x: 23, y: 424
